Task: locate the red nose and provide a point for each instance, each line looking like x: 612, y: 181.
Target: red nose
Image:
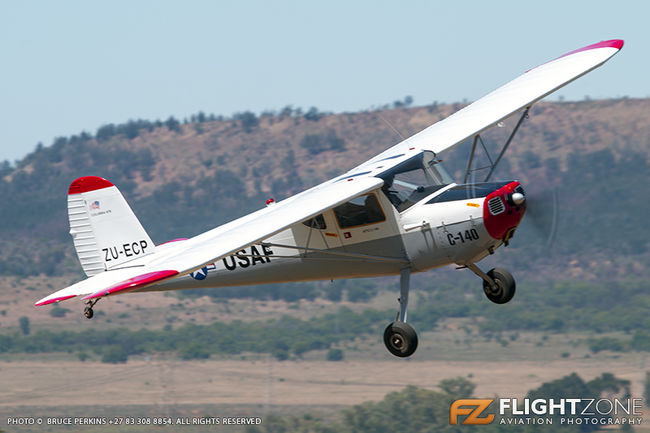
x: 501, y: 213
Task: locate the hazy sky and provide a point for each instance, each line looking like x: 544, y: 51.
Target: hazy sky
x: 69, y: 66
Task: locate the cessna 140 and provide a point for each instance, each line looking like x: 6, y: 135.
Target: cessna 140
x: 396, y: 214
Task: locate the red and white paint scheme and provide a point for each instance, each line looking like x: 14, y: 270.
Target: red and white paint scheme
x: 396, y: 214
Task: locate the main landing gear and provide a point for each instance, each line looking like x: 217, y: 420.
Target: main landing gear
x: 498, y: 284
x: 88, y: 311
x: 399, y: 337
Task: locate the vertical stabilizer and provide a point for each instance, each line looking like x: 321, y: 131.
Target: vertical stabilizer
x: 104, y: 229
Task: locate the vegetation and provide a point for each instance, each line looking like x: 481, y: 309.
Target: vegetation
x: 57, y: 311
x: 334, y: 355
x: 114, y: 354
x: 283, y: 338
x: 640, y: 342
x: 419, y: 410
x: 288, y: 337
x: 24, y: 325
x: 318, y: 143
x: 573, y: 385
x: 412, y: 409
x: 248, y: 120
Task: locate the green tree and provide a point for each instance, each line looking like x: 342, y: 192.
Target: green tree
x: 313, y: 114
x: 105, y: 132
x: 458, y: 387
x: 194, y: 350
x: 114, y: 355
x: 24, y: 325
x: 281, y: 354
x: 172, y: 124
x: 334, y: 355
x: 314, y: 143
x: 573, y: 385
x: 248, y: 121
x: 59, y: 311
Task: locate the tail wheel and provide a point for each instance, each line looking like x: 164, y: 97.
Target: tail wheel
x: 88, y: 312
x: 400, y: 339
x: 504, y: 288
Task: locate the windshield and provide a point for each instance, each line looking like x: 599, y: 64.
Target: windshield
x: 413, y: 180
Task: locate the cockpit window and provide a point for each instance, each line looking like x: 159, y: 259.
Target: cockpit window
x: 317, y: 222
x: 359, y: 211
x: 413, y: 180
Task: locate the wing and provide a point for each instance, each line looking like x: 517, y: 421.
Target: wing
x: 184, y: 257
x: 522, y: 92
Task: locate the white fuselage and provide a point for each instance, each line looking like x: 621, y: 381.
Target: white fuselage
x: 425, y: 236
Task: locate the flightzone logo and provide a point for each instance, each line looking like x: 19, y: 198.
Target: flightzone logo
x: 473, y: 416
x: 563, y: 411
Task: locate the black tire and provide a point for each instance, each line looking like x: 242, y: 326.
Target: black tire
x: 400, y: 339
x: 89, y: 313
x: 505, y: 289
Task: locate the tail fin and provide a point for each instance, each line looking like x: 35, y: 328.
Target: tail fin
x: 105, y: 231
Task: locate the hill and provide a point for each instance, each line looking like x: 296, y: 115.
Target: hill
x: 182, y: 179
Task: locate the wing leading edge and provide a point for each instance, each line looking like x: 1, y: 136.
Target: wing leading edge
x: 215, y: 244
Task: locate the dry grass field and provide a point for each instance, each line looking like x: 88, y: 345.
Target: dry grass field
x: 58, y: 385
x: 170, y: 388
x: 267, y: 382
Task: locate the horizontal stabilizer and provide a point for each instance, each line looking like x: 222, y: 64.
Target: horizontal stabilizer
x: 115, y: 282
x: 133, y: 283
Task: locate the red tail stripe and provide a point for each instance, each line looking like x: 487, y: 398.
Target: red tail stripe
x: 88, y: 183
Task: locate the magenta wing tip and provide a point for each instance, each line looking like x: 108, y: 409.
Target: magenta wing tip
x: 612, y: 43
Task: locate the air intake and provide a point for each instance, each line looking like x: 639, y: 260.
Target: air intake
x: 496, y: 206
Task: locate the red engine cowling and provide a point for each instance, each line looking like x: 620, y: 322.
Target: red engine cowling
x: 503, y: 210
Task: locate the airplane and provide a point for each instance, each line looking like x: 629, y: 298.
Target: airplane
x: 396, y: 214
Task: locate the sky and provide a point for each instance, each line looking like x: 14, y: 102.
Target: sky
x: 68, y: 66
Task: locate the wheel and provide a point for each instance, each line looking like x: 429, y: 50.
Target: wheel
x: 505, y: 286
x: 88, y: 312
x: 400, y: 339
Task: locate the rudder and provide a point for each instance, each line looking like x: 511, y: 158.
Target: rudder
x: 104, y: 229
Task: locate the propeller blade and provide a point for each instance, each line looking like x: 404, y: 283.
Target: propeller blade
x: 542, y: 212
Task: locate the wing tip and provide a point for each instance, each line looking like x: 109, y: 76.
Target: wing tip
x: 46, y: 301
x: 612, y: 43
x: 87, y: 184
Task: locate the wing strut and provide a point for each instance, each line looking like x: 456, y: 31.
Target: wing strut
x: 493, y: 164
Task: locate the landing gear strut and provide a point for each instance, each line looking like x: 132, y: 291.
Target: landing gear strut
x: 399, y: 337
x: 88, y: 311
x: 498, y: 284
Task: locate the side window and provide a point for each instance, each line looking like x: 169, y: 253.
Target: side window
x: 359, y: 211
x: 317, y: 222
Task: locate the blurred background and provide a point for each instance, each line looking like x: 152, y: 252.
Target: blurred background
x: 201, y: 111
